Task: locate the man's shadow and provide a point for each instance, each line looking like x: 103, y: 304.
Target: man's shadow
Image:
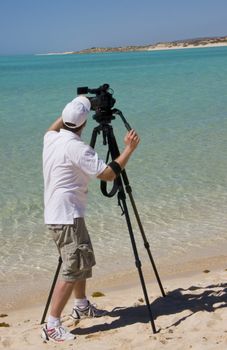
x: 195, y: 299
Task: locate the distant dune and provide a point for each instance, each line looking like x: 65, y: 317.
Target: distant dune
x: 179, y: 44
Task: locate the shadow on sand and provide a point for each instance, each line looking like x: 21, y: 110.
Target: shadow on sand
x: 194, y: 299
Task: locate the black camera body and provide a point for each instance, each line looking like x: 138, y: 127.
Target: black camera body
x: 101, y: 103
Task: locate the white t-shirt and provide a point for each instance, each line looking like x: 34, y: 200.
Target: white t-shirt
x: 68, y: 165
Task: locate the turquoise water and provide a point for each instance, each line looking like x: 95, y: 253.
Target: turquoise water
x: 176, y: 100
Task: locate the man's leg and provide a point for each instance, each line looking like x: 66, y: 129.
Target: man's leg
x: 80, y: 289
x: 81, y: 303
x: 62, y: 292
x: 54, y: 330
x: 61, y: 295
x: 82, y: 306
x: 80, y: 294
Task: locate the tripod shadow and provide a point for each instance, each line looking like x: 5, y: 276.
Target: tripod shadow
x: 194, y: 299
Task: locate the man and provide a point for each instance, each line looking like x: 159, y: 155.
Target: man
x: 68, y: 165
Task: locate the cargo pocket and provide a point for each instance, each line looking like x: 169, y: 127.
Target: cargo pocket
x: 77, y: 259
x: 85, y: 256
x: 70, y: 259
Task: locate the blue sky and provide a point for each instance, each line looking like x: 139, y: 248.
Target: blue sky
x: 40, y: 26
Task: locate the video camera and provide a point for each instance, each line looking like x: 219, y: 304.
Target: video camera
x: 101, y: 103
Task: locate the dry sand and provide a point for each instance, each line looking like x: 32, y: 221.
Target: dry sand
x: 193, y: 314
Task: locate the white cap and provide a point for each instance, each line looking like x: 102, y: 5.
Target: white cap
x: 76, y: 111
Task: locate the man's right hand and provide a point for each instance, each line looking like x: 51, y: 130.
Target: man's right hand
x: 131, y: 139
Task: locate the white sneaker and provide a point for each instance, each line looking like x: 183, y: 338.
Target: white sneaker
x: 57, y: 334
x: 89, y: 311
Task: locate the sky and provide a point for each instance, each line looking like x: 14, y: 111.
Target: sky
x: 42, y: 26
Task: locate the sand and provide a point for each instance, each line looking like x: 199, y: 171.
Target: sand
x: 192, y: 315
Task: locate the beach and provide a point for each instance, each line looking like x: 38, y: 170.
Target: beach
x: 192, y: 315
x: 175, y: 100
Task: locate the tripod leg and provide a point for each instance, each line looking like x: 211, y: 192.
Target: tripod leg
x: 51, y: 290
x: 113, y: 147
x: 146, y: 244
x: 114, y: 151
x: 121, y: 197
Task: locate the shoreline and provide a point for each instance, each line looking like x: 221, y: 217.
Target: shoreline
x: 193, y: 311
x: 35, y: 291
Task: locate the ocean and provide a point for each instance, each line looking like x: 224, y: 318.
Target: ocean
x: 177, y: 102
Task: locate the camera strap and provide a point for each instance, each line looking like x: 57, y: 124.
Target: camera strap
x: 103, y: 184
x: 103, y: 187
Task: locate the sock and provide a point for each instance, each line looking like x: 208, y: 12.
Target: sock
x: 53, y: 322
x: 81, y: 303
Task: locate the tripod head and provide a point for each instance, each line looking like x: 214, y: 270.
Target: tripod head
x: 101, y: 103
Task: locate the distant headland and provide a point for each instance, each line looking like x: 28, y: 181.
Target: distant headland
x: 178, y: 44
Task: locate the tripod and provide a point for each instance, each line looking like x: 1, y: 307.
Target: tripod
x: 121, y: 184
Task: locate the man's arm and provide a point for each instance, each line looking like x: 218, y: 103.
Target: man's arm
x: 131, y: 142
x: 57, y: 125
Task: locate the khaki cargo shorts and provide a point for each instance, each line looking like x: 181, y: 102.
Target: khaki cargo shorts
x: 75, y: 248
